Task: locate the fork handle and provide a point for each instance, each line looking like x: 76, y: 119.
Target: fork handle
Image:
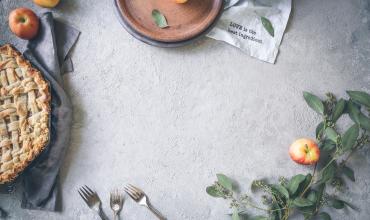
x: 156, y: 212
x: 102, y: 214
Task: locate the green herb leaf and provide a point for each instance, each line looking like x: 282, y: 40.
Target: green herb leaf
x: 328, y: 173
x: 159, y: 19
x: 320, y: 193
x: 235, y: 215
x: 268, y: 26
x: 364, y: 122
x: 349, y: 138
x: 259, y: 218
x: 319, y: 130
x: 324, y: 216
x: 331, y: 134
x: 302, y: 202
x: 312, y: 196
x: 338, y: 109
x: 314, y: 102
x: 294, y: 183
x: 281, y: 190
x: 327, y: 145
x: 337, y: 204
x: 225, y: 181
x: 349, y: 173
x: 360, y: 97
x: 353, y: 112
x: 212, y: 191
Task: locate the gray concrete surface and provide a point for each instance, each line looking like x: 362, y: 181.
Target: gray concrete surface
x: 168, y: 120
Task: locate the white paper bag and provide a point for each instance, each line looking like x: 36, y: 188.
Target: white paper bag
x: 241, y: 26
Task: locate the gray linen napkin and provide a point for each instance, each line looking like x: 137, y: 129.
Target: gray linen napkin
x: 46, y: 52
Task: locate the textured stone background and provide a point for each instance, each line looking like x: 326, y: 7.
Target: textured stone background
x: 168, y: 120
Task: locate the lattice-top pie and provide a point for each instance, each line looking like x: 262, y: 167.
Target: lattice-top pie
x: 24, y: 113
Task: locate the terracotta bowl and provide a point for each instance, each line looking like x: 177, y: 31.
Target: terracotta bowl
x: 185, y: 21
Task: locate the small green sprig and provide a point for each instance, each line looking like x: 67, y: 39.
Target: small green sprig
x: 307, y: 194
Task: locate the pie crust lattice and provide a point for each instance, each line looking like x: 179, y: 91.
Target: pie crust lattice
x: 24, y: 113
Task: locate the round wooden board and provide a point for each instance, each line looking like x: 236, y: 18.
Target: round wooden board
x: 185, y: 21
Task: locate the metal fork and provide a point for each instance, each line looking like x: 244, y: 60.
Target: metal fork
x: 140, y: 197
x: 92, y: 200
x: 116, y: 203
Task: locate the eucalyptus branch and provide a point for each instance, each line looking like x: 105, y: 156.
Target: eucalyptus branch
x: 307, y: 193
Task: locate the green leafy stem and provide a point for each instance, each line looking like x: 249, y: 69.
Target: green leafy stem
x: 308, y: 194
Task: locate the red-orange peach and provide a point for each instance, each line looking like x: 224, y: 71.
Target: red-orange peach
x: 304, y: 151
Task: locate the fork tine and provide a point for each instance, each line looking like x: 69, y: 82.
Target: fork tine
x: 89, y: 190
x: 85, y: 193
x: 130, y: 193
x: 134, y: 187
x: 82, y: 196
x: 136, y: 193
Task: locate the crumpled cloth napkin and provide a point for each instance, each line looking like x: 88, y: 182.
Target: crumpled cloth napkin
x: 48, y: 52
x: 240, y: 25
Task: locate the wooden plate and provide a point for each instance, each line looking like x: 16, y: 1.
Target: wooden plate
x: 185, y: 20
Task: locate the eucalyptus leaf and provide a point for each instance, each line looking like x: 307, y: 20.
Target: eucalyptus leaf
x: 320, y: 193
x: 328, y: 173
x: 349, y: 173
x: 314, y: 102
x: 327, y: 145
x: 224, y: 181
x: 353, y: 112
x: 319, y: 130
x: 312, y: 196
x: 349, y: 138
x: 260, y: 217
x: 324, y: 216
x: 277, y: 213
x: 302, y: 202
x: 268, y: 26
x: 294, y: 183
x: 360, y: 97
x: 159, y: 19
x: 331, y: 134
x: 338, y: 109
x: 212, y: 191
x: 235, y: 215
x: 337, y: 204
x: 281, y: 190
x: 364, y: 122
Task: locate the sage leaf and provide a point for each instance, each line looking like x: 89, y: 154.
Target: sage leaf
x: 314, y: 102
x: 159, y: 19
x: 281, y: 190
x: 349, y: 173
x: 364, y: 122
x: 353, y: 112
x: 294, y: 183
x: 235, y: 215
x: 268, y: 26
x: 338, y: 109
x: 331, y: 134
x: 349, y: 138
x: 224, y: 181
x: 360, y: 97
x: 212, y: 191
x: 328, y: 173
x: 324, y: 216
x: 319, y: 130
x: 302, y: 202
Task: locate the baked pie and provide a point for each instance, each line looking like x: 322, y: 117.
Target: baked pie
x: 24, y: 113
